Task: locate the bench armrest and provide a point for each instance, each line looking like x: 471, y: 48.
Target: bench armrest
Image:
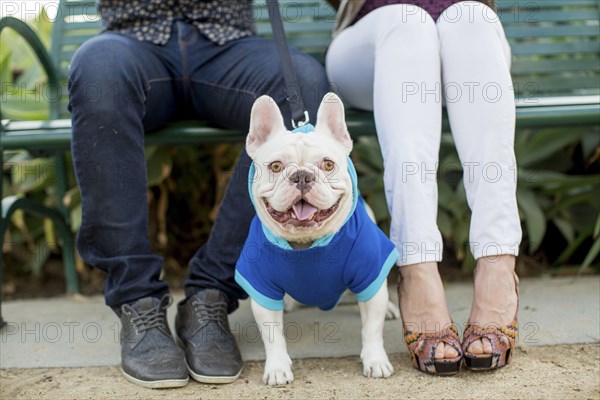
x: 37, y: 46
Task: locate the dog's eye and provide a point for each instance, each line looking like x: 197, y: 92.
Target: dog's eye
x: 276, y: 166
x: 327, y: 165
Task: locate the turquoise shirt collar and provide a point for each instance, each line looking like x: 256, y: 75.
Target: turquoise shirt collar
x: 324, y: 241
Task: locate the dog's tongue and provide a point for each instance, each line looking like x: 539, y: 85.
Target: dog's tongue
x: 304, y: 210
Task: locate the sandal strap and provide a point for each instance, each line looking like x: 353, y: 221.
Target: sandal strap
x: 422, y: 345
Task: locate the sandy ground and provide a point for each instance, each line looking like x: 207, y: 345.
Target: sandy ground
x: 554, y: 372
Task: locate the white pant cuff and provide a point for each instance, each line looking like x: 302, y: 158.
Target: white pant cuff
x: 410, y: 259
x: 495, y: 249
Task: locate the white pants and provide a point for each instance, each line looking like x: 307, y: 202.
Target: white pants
x: 400, y: 63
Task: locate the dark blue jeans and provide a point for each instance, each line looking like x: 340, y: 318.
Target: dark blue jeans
x: 120, y: 88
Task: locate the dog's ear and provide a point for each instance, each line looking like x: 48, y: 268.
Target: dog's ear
x: 265, y: 119
x: 331, y: 117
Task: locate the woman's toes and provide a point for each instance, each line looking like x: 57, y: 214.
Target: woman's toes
x: 487, y: 346
x: 443, y: 350
x: 439, y: 350
x: 476, y: 347
x: 450, y: 352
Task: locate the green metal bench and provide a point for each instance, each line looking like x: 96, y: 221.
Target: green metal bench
x: 556, y: 70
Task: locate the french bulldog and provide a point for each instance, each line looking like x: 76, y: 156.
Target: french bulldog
x: 312, y: 237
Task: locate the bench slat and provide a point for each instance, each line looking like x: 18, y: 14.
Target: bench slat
x: 76, y: 39
x: 526, y: 32
x: 304, y: 28
x: 555, y: 48
x: 81, y: 26
x: 528, y: 65
x: 508, y: 4
x: 528, y: 87
x: 56, y: 135
x: 533, y: 15
x: 71, y: 8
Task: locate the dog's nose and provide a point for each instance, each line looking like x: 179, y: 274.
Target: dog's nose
x: 303, y: 180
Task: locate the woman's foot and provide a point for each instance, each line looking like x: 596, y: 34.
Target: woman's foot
x: 494, y: 297
x: 423, y: 304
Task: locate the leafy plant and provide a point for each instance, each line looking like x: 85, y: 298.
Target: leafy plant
x: 23, y: 90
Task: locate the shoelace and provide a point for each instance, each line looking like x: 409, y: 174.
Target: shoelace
x: 210, y: 311
x: 152, y: 318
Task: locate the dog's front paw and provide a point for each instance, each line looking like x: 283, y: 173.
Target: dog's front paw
x: 376, y: 363
x: 278, y: 372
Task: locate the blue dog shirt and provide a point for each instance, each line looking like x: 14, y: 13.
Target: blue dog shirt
x: 357, y: 257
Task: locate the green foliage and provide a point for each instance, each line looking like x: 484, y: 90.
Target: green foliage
x: 30, y: 239
x: 22, y: 77
x: 185, y: 187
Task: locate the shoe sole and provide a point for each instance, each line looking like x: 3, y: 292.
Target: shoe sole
x: 484, y: 363
x: 447, y: 368
x: 475, y: 365
x: 213, y: 379
x: 207, y: 378
x: 162, y: 384
x: 444, y: 369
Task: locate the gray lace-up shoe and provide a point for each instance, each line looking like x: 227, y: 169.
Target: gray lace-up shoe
x: 149, y: 355
x: 202, y: 327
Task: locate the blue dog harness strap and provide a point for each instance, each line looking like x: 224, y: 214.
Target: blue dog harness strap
x: 307, y: 128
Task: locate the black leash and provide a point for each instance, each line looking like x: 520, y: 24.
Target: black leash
x: 299, y: 112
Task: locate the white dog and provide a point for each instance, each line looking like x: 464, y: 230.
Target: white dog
x: 312, y: 237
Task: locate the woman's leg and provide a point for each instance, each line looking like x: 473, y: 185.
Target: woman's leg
x: 389, y: 62
x: 481, y: 107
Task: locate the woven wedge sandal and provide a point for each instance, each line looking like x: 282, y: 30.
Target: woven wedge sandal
x: 502, y: 339
x: 421, y: 347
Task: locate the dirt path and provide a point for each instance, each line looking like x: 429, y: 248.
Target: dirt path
x: 557, y: 372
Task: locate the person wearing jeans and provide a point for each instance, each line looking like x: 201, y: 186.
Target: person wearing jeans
x: 403, y: 60
x: 155, y: 62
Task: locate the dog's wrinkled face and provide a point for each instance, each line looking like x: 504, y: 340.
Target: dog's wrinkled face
x: 302, y: 189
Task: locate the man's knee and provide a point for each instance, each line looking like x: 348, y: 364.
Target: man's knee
x: 102, y: 58
x: 103, y: 72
